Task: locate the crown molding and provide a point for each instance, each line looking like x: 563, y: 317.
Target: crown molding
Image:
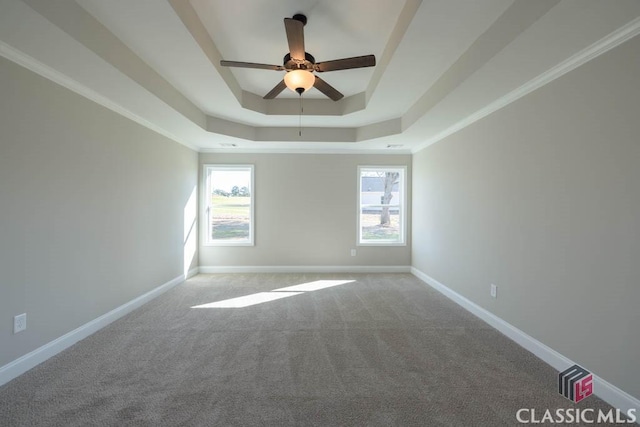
x: 214, y: 125
x: 328, y: 136
x: 59, y: 78
x: 614, y: 39
x: 241, y: 150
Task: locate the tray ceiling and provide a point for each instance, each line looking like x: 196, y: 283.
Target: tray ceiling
x: 441, y: 64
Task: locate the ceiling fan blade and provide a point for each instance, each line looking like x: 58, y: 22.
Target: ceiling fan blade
x: 251, y: 65
x: 295, y: 37
x: 346, y: 63
x: 327, y: 89
x: 276, y: 90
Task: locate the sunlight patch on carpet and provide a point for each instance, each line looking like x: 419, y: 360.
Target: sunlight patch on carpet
x: 276, y: 294
x: 248, y: 300
x: 313, y: 286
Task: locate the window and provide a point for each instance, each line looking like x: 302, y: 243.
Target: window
x: 381, y: 205
x: 229, y: 204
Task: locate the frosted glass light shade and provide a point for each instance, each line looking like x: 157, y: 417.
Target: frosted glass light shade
x: 297, y: 80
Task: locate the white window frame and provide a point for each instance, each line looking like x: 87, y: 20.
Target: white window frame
x: 402, y: 206
x: 207, y: 169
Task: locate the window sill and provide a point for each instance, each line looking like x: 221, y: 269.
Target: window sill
x: 381, y: 244
x: 213, y: 244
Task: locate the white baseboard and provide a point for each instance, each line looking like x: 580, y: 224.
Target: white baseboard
x: 603, y: 389
x: 307, y: 269
x: 192, y: 272
x: 39, y: 355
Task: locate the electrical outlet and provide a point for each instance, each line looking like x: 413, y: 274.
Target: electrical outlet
x: 19, y: 323
x: 494, y: 291
x: 353, y: 252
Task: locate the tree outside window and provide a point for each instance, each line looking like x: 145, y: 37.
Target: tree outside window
x: 381, y: 219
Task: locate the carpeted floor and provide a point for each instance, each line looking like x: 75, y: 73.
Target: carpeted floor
x: 380, y: 350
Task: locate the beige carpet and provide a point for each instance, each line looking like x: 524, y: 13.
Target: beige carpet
x: 381, y: 350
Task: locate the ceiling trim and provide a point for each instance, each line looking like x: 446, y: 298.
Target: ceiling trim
x: 196, y: 28
x: 399, y: 30
x: 88, y: 31
x: 238, y: 150
x: 312, y: 107
x: 83, y: 27
x: 513, y: 22
x: 615, y: 38
x: 80, y: 25
x: 61, y: 79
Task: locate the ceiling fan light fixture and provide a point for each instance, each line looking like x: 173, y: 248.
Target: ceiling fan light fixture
x: 300, y: 65
x: 299, y: 80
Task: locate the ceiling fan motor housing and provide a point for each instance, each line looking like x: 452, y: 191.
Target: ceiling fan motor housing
x: 291, y: 64
x: 300, y: 17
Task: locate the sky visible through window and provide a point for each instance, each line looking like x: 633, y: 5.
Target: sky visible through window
x: 226, y: 180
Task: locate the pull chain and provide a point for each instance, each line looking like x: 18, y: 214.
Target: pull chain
x: 300, y: 117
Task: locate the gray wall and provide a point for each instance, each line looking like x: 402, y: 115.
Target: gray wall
x: 542, y: 198
x: 91, y: 209
x: 306, y: 212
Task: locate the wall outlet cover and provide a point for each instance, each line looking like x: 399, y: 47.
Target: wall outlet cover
x: 19, y: 323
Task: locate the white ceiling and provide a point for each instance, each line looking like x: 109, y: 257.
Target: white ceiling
x: 441, y: 64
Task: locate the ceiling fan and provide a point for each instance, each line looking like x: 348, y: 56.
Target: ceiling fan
x: 301, y: 65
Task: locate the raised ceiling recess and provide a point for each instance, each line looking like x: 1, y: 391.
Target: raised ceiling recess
x: 439, y: 64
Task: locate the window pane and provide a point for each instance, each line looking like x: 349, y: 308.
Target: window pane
x: 230, y: 217
x: 230, y: 204
x: 374, y: 229
x: 381, y: 201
